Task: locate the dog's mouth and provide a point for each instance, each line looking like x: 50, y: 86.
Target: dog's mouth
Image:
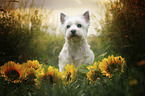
x: 74, y: 35
x: 74, y: 38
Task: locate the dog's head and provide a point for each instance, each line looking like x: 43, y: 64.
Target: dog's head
x: 75, y: 28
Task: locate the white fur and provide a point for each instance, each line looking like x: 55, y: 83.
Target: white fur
x: 76, y: 49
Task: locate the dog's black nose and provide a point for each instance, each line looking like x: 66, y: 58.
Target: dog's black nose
x: 73, y: 32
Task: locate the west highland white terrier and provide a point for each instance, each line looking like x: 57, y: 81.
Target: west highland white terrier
x: 76, y: 50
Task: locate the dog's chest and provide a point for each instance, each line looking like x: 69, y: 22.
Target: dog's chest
x: 77, y: 55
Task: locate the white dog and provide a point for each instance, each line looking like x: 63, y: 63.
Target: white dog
x: 76, y: 49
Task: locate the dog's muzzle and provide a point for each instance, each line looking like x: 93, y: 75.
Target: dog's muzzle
x: 74, y: 36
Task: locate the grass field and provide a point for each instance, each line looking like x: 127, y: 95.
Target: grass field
x: 118, y: 69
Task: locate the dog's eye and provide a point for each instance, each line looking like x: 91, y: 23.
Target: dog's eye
x: 79, y: 25
x: 68, y: 26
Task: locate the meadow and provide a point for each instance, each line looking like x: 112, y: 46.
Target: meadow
x: 29, y: 57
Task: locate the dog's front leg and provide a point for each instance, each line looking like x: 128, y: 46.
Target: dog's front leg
x: 63, y: 61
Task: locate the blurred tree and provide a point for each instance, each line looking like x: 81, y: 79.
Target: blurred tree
x: 126, y: 31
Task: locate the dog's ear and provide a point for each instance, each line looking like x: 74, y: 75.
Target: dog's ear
x: 86, y: 16
x: 62, y: 18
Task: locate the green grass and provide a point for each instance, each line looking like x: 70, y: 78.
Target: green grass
x: 118, y: 85
x: 124, y: 36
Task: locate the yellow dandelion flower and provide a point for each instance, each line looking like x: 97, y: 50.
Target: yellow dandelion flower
x: 90, y: 67
x: 93, y: 67
x: 94, y: 72
x: 121, y: 62
x: 30, y: 76
x: 34, y: 64
x: 50, y: 75
x: 93, y: 75
x: 12, y: 72
x: 103, y: 67
x: 111, y: 60
x: 31, y: 73
x: 112, y: 64
x: 70, y: 73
